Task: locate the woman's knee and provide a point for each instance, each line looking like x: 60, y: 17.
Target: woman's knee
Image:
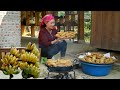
x: 50, y: 53
x: 64, y: 43
x: 53, y: 51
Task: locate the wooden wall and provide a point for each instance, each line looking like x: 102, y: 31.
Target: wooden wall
x: 105, y: 32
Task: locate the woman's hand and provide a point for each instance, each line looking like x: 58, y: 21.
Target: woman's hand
x: 60, y: 39
x: 57, y: 40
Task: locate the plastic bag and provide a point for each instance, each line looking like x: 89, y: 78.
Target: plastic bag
x: 43, y: 60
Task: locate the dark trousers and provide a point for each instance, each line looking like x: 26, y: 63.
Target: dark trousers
x: 52, y: 50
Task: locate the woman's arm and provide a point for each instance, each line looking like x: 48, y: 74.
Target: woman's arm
x: 44, y: 40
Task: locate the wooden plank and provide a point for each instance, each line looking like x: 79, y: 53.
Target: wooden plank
x: 81, y: 28
x: 106, y: 30
x: 110, y: 38
x: 93, y: 27
x: 96, y: 29
x: 116, y: 31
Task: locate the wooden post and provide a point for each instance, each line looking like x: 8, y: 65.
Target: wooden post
x: 27, y: 18
x: 49, y: 12
x: 81, y: 27
x: 66, y: 21
x: 32, y: 31
x: 72, y: 19
x: 22, y: 29
x: 43, y: 13
x: 22, y: 26
x: 36, y: 18
x: 55, y: 13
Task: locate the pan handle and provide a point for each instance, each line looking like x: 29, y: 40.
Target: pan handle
x: 75, y: 61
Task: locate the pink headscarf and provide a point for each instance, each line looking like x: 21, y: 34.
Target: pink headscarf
x: 46, y: 19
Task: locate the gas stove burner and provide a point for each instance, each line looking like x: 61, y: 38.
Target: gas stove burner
x: 67, y: 76
x: 61, y: 76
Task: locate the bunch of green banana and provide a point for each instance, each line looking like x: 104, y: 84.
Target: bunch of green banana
x: 15, y: 52
x: 30, y: 65
x: 9, y: 59
x: 29, y: 57
x: 36, y: 52
x: 23, y: 51
x: 7, y: 70
x: 33, y: 49
x: 37, y: 64
x: 35, y: 71
x: 22, y: 65
x: 31, y: 71
x: 9, y: 64
x: 33, y: 58
x: 24, y: 57
x: 30, y: 46
x: 26, y: 73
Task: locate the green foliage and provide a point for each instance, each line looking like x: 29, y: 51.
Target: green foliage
x: 87, y: 33
x: 87, y: 25
x: 61, y: 13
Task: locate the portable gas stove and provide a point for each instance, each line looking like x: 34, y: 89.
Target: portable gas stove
x: 63, y: 72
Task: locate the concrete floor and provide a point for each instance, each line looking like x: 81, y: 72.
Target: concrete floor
x: 73, y: 50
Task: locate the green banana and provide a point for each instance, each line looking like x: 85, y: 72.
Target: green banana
x: 16, y: 71
x: 5, y: 72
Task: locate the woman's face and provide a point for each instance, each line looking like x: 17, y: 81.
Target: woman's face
x: 50, y: 24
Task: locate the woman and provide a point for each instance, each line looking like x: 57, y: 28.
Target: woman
x: 49, y: 44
